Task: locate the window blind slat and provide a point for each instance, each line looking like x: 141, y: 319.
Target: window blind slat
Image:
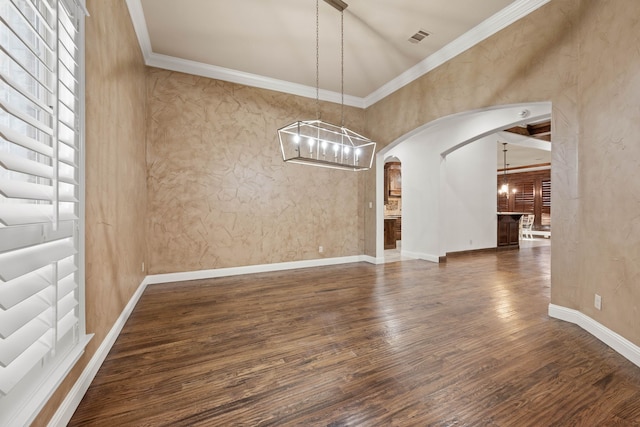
x: 69, y: 125
x: 66, y: 324
x: 41, y: 19
x: 66, y: 267
x: 17, y: 343
x: 66, y: 104
x: 20, y: 164
x: 19, y: 315
x: 29, y: 358
x: 27, y: 213
x: 66, y: 285
x: 28, y: 45
x: 66, y: 305
x: 68, y: 59
x: 70, y: 142
x: 25, y: 141
x: 64, y: 84
x: 18, y: 88
x: 26, y: 118
x: 12, y: 238
x: 29, y: 191
x: 26, y: 69
x: 68, y: 158
x: 22, y: 261
x: 19, y: 289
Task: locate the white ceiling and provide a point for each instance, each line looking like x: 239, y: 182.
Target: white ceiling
x: 522, y: 151
x: 271, y: 43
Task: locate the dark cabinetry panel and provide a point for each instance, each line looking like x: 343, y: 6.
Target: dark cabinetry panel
x: 392, y: 180
x: 533, y: 195
x: 509, y: 230
x: 389, y: 233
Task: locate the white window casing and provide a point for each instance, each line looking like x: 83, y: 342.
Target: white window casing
x: 42, y: 322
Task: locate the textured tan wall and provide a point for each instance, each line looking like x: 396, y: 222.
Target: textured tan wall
x: 115, y: 175
x: 220, y: 194
x: 609, y: 173
x: 582, y: 55
x: 532, y: 60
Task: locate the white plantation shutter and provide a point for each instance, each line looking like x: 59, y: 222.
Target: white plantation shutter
x: 41, y: 295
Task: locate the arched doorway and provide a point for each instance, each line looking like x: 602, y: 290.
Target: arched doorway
x: 425, y: 220
x: 392, y: 208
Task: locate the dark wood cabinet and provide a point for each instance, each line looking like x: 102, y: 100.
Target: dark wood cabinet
x: 509, y: 230
x: 392, y: 232
x: 392, y: 180
x: 389, y: 233
x: 395, y: 182
x: 533, y: 196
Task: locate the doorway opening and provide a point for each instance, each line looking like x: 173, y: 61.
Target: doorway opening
x: 433, y: 222
x: 392, y: 209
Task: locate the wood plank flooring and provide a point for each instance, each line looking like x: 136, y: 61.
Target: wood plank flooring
x: 466, y: 343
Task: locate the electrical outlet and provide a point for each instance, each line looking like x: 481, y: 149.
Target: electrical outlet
x: 470, y: 242
x: 597, y: 302
x: 320, y: 249
x: 370, y: 205
x: 143, y: 266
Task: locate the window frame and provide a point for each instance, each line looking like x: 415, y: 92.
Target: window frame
x: 26, y: 399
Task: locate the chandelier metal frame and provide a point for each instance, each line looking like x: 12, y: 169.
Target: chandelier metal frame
x: 319, y: 143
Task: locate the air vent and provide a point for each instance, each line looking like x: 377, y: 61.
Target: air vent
x: 419, y: 36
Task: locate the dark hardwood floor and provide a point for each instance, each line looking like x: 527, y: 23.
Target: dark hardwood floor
x: 466, y: 343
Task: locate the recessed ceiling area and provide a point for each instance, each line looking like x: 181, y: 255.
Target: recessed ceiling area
x: 528, y: 146
x: 275, y: 39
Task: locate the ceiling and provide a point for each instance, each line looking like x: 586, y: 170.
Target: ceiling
x: 527, y: 146
x: 273, y: 41
x: 271, y: 44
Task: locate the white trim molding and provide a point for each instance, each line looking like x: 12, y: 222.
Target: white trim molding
x: 250, y: 269
x: 172, y: 63
x: 65, y: 411
x: 373, y: 260
x: 507, y: 16
x: 420, y: 255
x: 617, y: 342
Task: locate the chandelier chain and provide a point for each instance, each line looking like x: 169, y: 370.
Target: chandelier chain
x: 342, y: 68
x: 317, y: 61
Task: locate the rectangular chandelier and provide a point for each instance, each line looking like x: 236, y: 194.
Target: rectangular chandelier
x: 322, y: 144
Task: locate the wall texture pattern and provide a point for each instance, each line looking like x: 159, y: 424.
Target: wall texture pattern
x: 220, y: 194
x: 582, y: 56
x: 609, y: 158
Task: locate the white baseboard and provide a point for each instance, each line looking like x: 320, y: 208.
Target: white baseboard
x: 372, y: 260
x: 617, y: 342
x: 250, y: 269
x: 419, y: 255
x: 65, y: 411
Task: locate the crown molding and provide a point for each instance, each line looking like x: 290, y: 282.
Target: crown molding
x: 507, y: 16
x: 226, y: 74
x: 485, y: 29
x: 140, y: 27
